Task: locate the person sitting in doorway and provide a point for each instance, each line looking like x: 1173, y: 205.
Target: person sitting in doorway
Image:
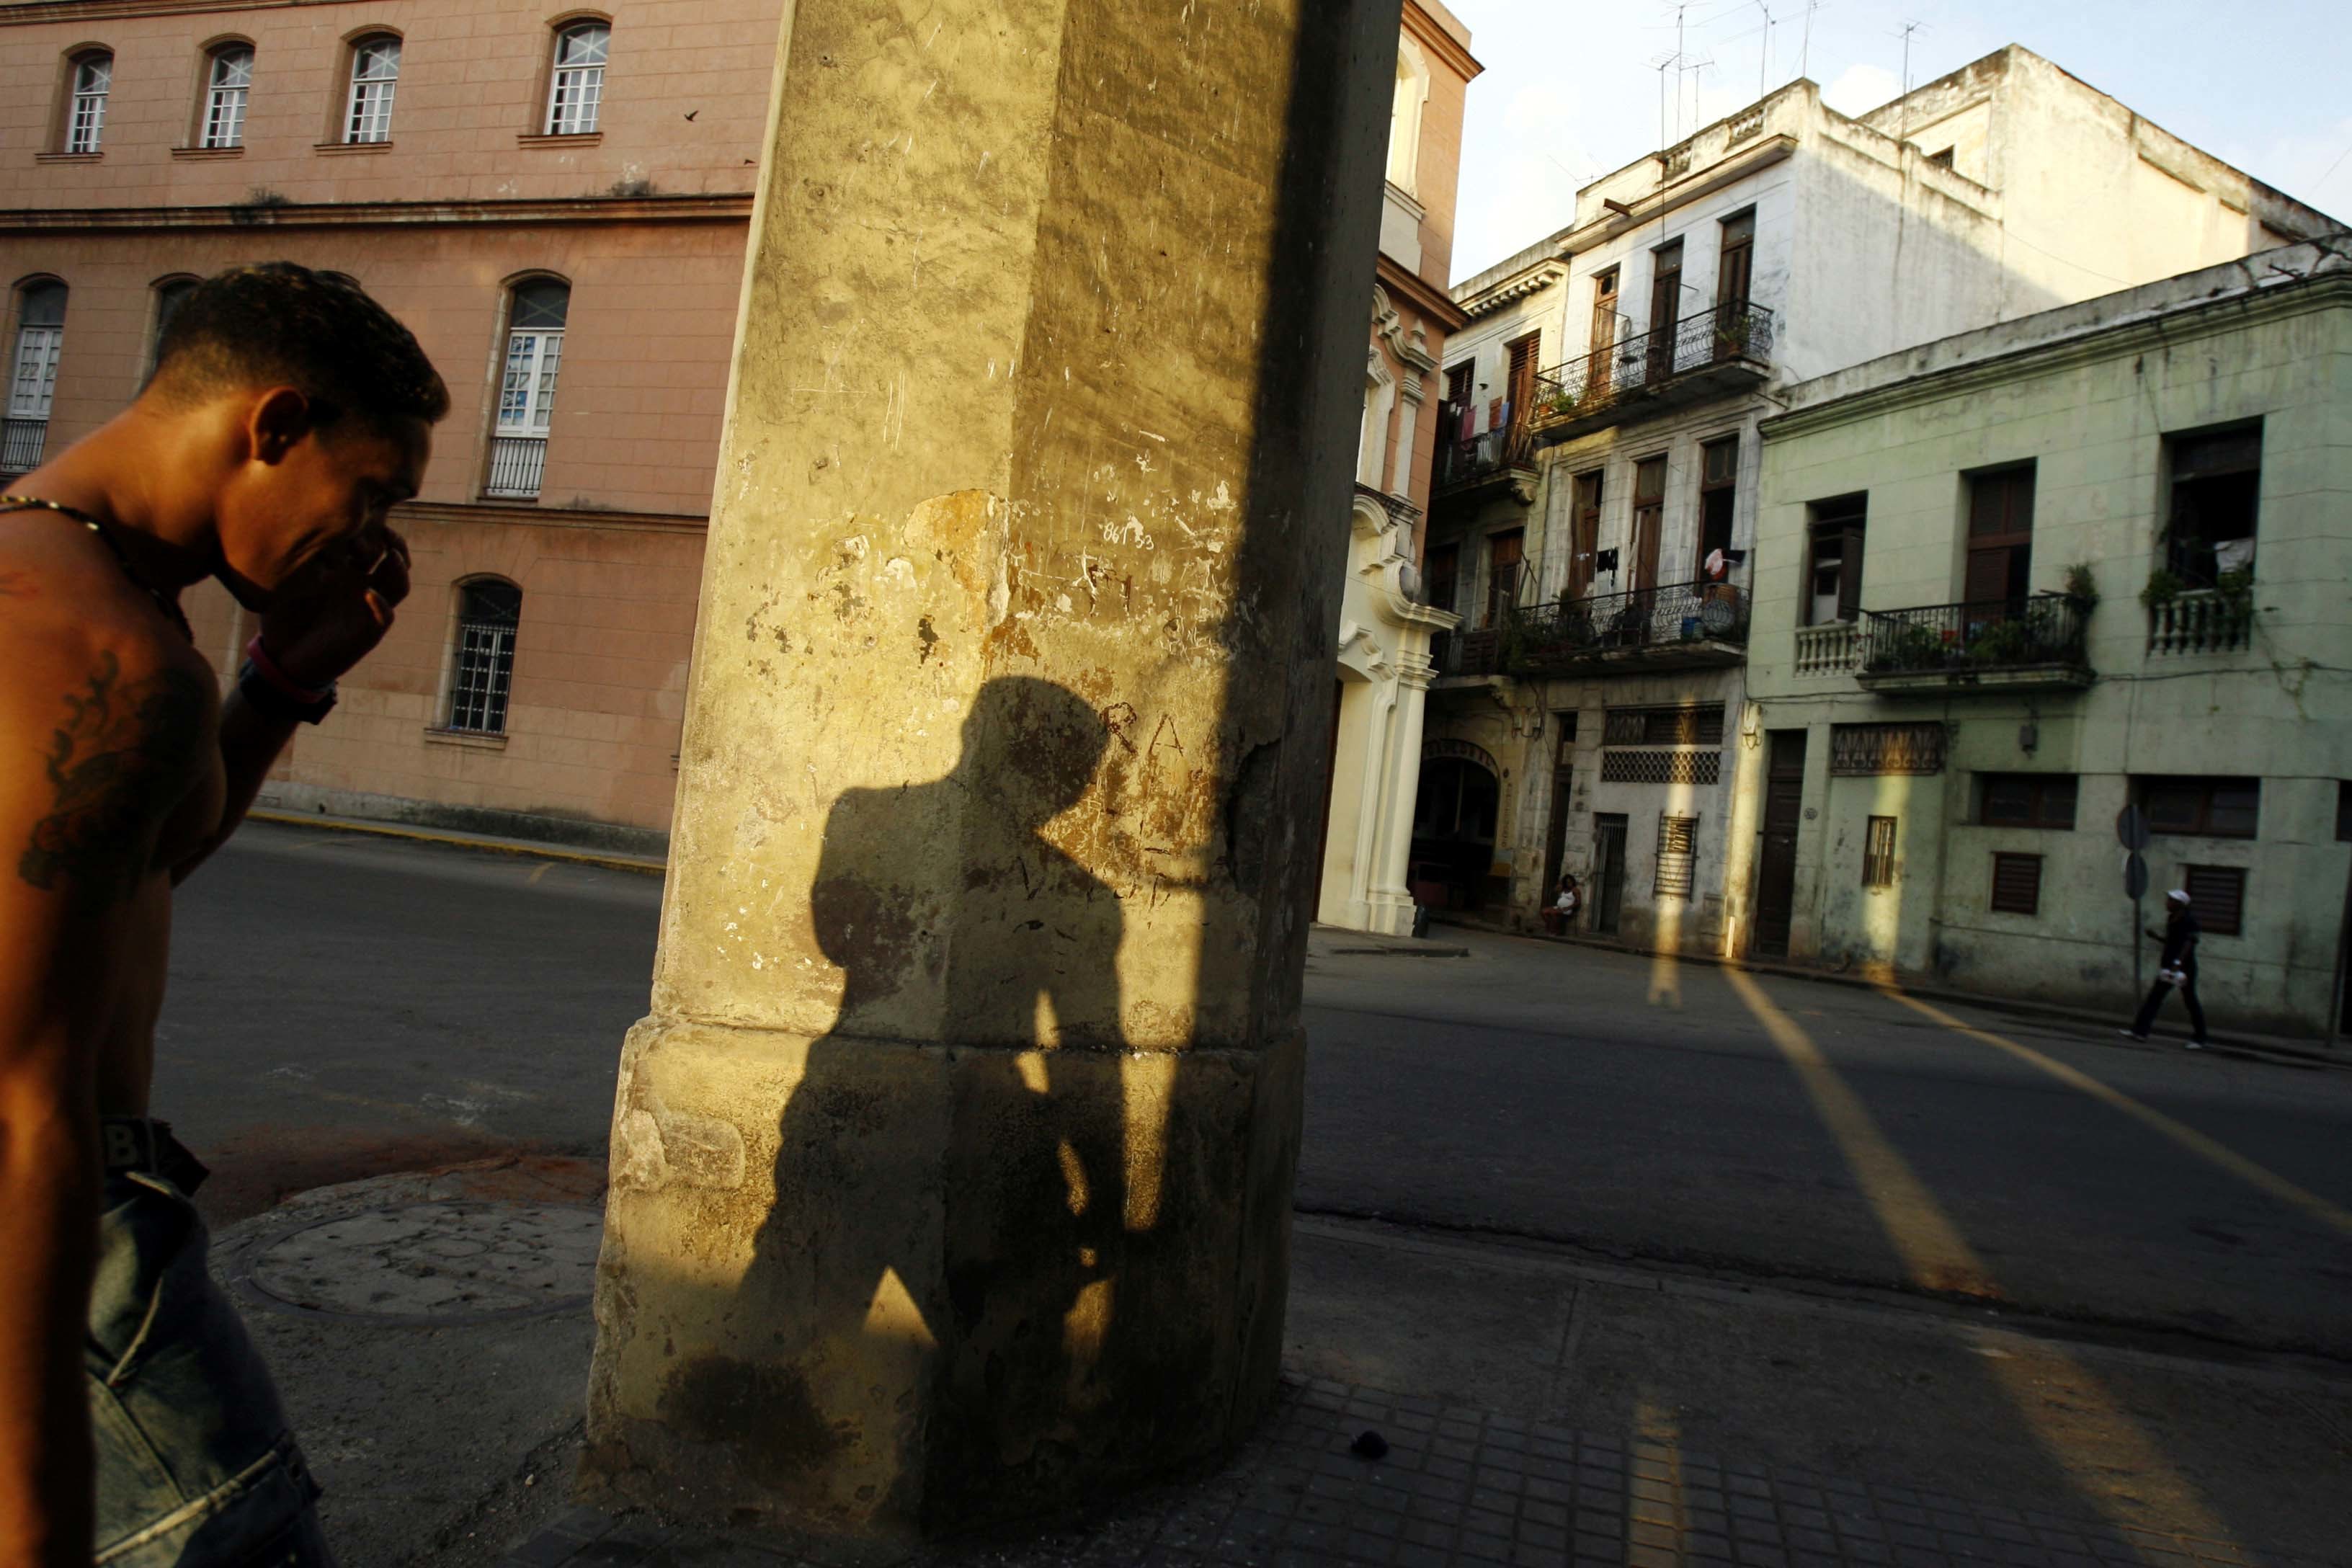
x: 2176, y: 966
x: 1560, y: 919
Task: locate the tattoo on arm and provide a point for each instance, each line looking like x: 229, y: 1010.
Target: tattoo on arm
x: 112, y: 765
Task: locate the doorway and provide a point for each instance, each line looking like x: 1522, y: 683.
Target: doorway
x: 1555, y: 835
x: 1784, y: 808
x: 1608, y: 870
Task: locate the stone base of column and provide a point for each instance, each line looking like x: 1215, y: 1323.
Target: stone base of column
x: 883, y: 1289
x: 1389, y: 913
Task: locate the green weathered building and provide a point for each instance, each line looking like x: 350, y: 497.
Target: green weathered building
x: 2010, y: 582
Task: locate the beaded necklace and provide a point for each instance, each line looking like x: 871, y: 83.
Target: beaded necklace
x: 164, y: 601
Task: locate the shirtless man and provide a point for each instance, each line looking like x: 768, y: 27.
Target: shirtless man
x: 286, y: 415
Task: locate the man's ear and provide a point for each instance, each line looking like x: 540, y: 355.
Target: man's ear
x: 276, y: 422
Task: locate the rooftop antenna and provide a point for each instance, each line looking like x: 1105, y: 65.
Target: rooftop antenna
x: 1764, y: 53
x: 1904, y: 119
x: 1805, y: 53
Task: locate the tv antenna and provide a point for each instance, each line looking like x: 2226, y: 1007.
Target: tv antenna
x: 1904, y: 119
x: 1764, y: 50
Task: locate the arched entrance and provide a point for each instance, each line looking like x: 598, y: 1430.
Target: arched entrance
x: 1454, y: 823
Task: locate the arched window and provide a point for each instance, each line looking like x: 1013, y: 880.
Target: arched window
x: 170, y: 295
x: 228, y: 79
x: 1404, y: 117
x: 375, y: 72
x: 489, y: 610
x: 577, y: 86
x: 527, y: 387
x: 93, y: 77
x: 40, y: 337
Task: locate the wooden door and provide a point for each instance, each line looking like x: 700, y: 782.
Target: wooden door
x: 1649, y: 522
x: 1522, y: 381
x: 1665, y: 307
x: 1505, y: 553
x: 1602, y: 344
x: 1585, y: 539
x: 1556, y: 832
x: 2000, y: 543
x: 1608, y: 870
x: 1784, y: 809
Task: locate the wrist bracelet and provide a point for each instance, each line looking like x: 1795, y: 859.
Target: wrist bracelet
x: 293, y: 690
x: 270, y: 692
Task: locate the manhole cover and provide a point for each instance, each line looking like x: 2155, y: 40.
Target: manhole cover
x: 433, y: 1262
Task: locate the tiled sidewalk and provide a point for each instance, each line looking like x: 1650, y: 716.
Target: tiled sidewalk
x: 1465, y: 1487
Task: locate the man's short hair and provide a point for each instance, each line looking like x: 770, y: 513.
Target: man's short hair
x: 277, y: 324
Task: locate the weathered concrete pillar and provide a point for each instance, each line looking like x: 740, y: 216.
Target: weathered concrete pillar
x: 952, y: 1171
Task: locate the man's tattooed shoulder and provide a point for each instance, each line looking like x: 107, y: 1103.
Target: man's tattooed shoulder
x: 120, y: 758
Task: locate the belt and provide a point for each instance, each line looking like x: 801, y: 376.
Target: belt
x: 143, y: 1144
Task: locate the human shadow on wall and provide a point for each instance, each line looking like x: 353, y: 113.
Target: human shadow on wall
x: 989, y: 1285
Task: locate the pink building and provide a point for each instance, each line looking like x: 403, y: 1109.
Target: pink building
x: 558, y: 206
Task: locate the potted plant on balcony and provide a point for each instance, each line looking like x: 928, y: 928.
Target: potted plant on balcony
x: 2082, y: 586
x: 2163, y: 586
x: 2004, y: 642
x: 1905, y: 645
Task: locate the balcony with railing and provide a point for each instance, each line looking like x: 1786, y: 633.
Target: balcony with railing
x: 1723, y: 349
x: 1684, y: 626
x: 2000, y: 646
x: 21, y: 445
x: 517, y: 465
x: 1484, y: 464
x: 2200, y: 620
x: 1680, y: 626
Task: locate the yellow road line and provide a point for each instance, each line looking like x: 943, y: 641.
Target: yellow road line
x: 1935, y: 1257
x: 491, y: 847
x: 2188, y: 1138
x: 2072, y: 1416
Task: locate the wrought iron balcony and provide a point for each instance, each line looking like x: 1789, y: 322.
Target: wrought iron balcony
x: 2001, y: 644
x: 2200, y: 620
x: 21, y: 445
x: 1676, y: 626
x: 1467, y: 652
x: 1723, y: 348
x: 1496, y: 458
x: 517, y: 465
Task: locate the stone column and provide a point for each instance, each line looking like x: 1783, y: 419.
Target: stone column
x: 1391, y: 898
x: 952, y: 1171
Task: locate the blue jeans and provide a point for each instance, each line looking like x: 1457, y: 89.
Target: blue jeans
x: 197, y: 1468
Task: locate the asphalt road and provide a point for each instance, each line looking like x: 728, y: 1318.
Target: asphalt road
x: 345, y: 1007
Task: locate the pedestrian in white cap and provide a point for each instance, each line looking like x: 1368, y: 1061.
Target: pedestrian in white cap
x: 2176, y: 966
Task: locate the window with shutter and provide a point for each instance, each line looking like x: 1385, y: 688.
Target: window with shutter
x: 2216, y: 488
x: 1878, y: 854
x: 2201, y: 808
x: 1505, y: 553
x: 2217, y: 894
x: 2000, y: 542
x: 1719, y: 493
x: 1586, y: 540
x: 1649, y: 520
x: 1521, y: 385
x: 2017, y: 884
x: 1677, y: 855
x: 2026, y: 800
x: 1833, y: 586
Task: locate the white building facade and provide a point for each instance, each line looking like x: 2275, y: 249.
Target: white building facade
x: 1383, y: 667
x: 1594, y: 515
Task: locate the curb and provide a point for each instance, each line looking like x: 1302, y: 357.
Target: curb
x: 521, y: 847
x: 2243, y: 1047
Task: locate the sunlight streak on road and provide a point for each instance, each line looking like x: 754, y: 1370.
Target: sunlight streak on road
x: 1933, y: 1254
x: 2336, y: 1219
x: 2073, y: 1417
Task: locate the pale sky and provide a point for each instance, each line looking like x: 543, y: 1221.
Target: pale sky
x: 1572, y: 89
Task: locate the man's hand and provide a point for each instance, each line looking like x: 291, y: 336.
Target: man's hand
x: 333, y: 611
